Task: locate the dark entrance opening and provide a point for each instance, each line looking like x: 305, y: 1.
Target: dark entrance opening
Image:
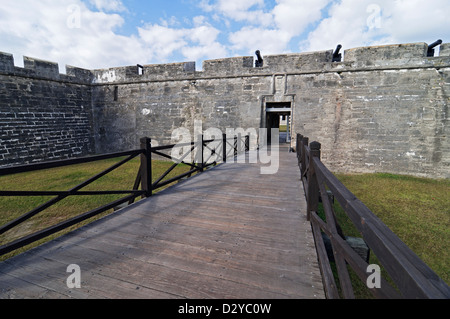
x: 276, y: 113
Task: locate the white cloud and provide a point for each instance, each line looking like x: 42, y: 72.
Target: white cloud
x: 66, y: 32
x: 194, y: 43
x: 294, y: 16
x: 109, y: 5
x: 355, y: 23
x: 268, y: 30
x: 162, y: 40
x: 210, y: 51
x: 413, y: 20
x: 250, y: 11
x: 250, y: 39
x: 346, y: 25
x: 69, y: 32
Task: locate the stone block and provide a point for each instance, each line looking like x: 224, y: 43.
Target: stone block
x: 386, y: 52
x: 6, y: 62
x: 356, y: 243
x: 41, y: 67
x: 444, y: 49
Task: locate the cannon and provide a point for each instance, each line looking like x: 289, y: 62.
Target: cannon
x: 259, y: 62
x: 431, y: 47
x: 337, y: 57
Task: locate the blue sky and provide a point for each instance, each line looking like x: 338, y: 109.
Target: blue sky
x: 104, y: 33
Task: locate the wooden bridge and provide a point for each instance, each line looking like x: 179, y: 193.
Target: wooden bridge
x: 229, y: 232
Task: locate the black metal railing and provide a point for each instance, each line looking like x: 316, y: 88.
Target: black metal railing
x: 144, y: 180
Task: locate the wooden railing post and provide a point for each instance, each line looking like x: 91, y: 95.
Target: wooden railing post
x: 313, y: 185
x: 235, y: 145
x: 298, y: 148
x: 146, y: 166
x: 224, y: 147
x: 303, y: 144
x: 247, y: 142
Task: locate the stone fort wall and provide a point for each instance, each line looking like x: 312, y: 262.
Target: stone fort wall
x: 44, y: 115
x: 381, y: 109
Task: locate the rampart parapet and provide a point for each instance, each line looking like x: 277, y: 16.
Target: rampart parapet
x: 149, y: 72
x: 228, y: 66
x: 396, y: 55
x: 41, y: 67
x: 307, y: 61
x: 386, y: 52
x: 6, y: 62
x: 37, y: 68
x: 384, y: 56
x: 444, y: 49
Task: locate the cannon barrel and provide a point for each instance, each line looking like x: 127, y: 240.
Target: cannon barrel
x: 260, y: 61
x: 431, y: 47
x: 435, y: 44
x: 336, y: 55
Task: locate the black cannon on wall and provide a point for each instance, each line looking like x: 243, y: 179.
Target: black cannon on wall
x: 259, y: 62
x: 431, y: 47
x: 337, y: 57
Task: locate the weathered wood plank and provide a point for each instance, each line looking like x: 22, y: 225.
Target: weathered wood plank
x: 229, y: 232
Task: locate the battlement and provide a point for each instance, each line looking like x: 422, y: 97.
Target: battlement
x: 6, y: 62
x: 386, y: 52
x: 149, y: 72
x: 307, y: 61
x: 38, y: 68
x: 41, y: 67
x: 444, y: 49
x: 384, y: 56
x: 228, y: 66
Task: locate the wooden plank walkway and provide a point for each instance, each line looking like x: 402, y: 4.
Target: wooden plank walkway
x: 229, y: 232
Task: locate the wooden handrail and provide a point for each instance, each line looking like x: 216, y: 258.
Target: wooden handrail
x: 412, y: 277
x: 143, y: 179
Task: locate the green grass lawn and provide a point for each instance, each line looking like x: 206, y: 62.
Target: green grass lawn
x: 417, y: 210
x: 62, y: 179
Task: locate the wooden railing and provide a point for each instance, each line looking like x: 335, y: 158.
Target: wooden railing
x: 411, y: 276
x: 144, y: 180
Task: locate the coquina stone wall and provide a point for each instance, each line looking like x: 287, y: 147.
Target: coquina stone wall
x: 380, y: 109
x: 44, y: 115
